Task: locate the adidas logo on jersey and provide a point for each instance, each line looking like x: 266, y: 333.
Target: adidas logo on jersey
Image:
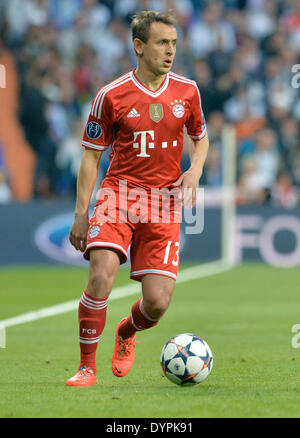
x: 133, y: 113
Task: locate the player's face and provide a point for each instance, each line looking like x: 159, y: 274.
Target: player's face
x: 159, y: 51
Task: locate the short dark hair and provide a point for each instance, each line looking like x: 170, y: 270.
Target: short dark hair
x: 141, y: 22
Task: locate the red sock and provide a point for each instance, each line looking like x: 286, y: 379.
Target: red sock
x: 92, y: 318
x: 137, y: 321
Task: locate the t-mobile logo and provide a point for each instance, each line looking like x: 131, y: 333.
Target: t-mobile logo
x: 142, y: 143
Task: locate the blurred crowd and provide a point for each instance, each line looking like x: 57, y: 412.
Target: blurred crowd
x: 241, y: 53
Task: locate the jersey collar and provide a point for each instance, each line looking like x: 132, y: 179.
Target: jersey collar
x: 147, y: 90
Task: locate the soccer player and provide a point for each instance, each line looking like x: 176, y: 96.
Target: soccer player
x: 142, y: 117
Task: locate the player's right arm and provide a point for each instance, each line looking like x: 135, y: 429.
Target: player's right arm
x: 86, y: 181
x: 97, y: 137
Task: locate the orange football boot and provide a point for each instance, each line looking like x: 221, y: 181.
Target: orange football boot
x: 85, y: 376
x: 123, y: 356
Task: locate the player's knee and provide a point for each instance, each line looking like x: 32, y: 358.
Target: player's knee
x: 157, y: 306
x: 100, y: 283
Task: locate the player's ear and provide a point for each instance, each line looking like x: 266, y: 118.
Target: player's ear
x: 138, y: 46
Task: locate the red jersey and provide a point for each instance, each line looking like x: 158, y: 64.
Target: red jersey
x: 145, y: 128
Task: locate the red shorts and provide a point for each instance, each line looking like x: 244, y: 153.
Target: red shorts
x: 153, y: 247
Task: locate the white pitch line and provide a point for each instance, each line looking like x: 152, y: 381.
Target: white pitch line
x: 57, y: 309
x: 187, y: 274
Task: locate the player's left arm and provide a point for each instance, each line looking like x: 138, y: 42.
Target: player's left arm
x: 196, y: 129
x: 189, y: 180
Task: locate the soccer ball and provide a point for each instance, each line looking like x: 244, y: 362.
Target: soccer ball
x: 186, y: 359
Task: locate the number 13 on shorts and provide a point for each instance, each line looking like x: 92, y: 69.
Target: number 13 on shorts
x: 167, y: 253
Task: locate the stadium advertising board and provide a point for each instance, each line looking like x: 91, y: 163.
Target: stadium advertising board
x: 37, y: 233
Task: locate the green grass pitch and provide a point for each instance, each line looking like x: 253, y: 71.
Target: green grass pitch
x: 245, y: 314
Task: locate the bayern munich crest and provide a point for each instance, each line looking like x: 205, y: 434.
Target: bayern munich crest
x: 94, y: 231
x: 178, y: 108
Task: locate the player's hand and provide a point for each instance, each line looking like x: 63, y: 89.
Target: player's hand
x: 78, y: 233
x: 188, y: 183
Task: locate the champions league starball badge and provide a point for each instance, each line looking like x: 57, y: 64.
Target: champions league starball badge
x: 93, y: 130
